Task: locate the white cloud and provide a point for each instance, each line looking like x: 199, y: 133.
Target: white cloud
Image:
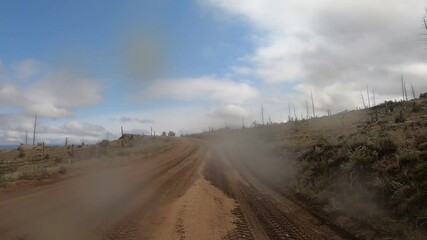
x: 9, y: 95
x: 26, y: 68
x: 203, y: 88
x: 56, y: 94
x: 230, y: 112
x: 334, y: 47
x: 14, y: 126
x: 83, y: 129
x: 240, y: 70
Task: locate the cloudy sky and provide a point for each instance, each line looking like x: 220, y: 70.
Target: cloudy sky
x: 89, y: 67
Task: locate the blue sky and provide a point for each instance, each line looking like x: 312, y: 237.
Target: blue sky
x: 89, y: 67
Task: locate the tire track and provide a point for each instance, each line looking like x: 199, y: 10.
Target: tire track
x: 258, y: 215
x: 173, y: 180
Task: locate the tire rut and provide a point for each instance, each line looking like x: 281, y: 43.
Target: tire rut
x: 255, y: 208
x: 185, y: 166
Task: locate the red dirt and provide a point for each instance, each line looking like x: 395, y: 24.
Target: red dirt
x: 191, y: 191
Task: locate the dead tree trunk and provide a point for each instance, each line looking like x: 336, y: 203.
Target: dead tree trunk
x: 312, y: 103
x: 373, y: 96
x: 413, y: 91
x: 262, y: 114
x: 363, y: 99
x: 295, y: 114
x: 369, y: 99
x: 306, y: 107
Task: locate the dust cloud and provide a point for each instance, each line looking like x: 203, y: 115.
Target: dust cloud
x: 256, y: 151
x: 72, y: 209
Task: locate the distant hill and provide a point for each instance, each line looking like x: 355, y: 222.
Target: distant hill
x: 8, y: 146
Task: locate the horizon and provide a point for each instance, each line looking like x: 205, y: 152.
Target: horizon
x: 88, y: 68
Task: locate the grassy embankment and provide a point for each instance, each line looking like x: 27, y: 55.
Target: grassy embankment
x: 355, y: 166
x: 364, y: 170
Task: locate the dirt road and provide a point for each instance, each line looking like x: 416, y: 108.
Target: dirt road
x: 192, y: 191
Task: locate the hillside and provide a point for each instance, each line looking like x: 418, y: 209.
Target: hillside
x: 364, y: 171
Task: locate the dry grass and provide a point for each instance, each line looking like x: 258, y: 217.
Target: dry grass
x: 31, y: 164
x: 363, y: 169
x: 366, y: 169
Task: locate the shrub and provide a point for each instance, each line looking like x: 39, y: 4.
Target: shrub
x: 58, y: 159
x: 408, y: 157
x: 104, y: 143
x: 416, y: 108
x: 363, y: 157
x: 21, y: 154
x: 386, y: 146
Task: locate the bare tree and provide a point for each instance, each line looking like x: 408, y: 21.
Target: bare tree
x: 306, y: 107
x: 363, y: 99
x: 413, y: 91
x: 367, y: 93
x: 312, y: 103
x: 404, y: 92
x: 295, y: 114
x: 425, y: 19
x: 373, y: 96
x: 262, y: 114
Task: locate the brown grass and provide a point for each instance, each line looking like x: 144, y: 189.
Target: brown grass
x: 31, y: 164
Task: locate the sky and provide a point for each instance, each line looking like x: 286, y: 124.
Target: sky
x: 87, y: 68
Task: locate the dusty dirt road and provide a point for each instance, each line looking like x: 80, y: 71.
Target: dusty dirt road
x: 192, y: 191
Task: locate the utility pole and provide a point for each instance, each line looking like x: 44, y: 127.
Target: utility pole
x: 121, y: 128
x: 151, y: 131
x: 34, y: 130
x: 262, y: 114
x: 26, y: 137
x: 312, y: 103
